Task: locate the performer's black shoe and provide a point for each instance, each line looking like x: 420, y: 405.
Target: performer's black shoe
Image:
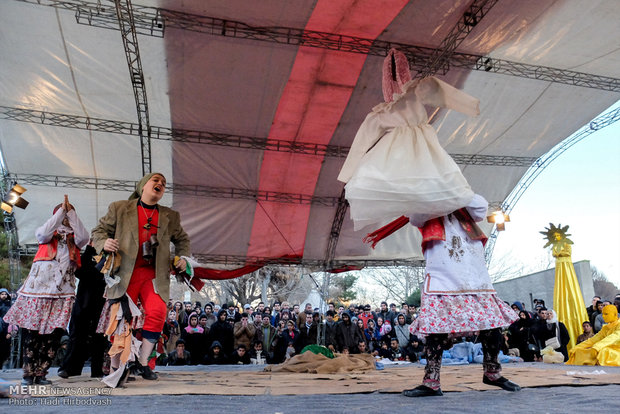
x: 422, y: 391
x: 42, y: 381
x: 63, y: 374
x: 147, y: 373
x: 502, y: 383
x: 27, y: 381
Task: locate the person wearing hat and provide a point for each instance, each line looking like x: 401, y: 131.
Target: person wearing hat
x: 44, y: 302
x: 141, y: 230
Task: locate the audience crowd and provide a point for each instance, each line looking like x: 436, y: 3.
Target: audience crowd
x: 228, y: 334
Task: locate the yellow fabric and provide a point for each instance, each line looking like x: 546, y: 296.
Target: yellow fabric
x: 602, y: 349
x: 550, y: 356
x: 567, y: 299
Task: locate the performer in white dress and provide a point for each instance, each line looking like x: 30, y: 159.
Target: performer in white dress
x: 396, y: 163
x: 44, y: 302
x: 458, y: 296
x: 408, y: 172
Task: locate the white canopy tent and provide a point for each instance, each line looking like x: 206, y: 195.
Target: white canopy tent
x: 252, y: 106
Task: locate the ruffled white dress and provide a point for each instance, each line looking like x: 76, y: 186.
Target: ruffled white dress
x: 396, y: 163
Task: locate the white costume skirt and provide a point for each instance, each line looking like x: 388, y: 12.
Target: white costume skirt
x: 406, y: 172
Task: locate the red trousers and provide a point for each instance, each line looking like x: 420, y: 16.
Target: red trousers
x: 141, y: 287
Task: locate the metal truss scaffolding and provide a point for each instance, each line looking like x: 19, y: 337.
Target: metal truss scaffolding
x: 537, y: 167
x: 124, y: 14
x: 221, y: 139
x: 151, y: 21
x: 312, y: 264
x: 192, y: 190
x: 440, y: 58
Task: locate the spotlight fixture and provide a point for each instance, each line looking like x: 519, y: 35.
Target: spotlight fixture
x: 499, y: 218
x: 14, y: 199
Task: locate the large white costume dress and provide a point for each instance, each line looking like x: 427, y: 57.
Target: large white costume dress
x: 396, y: 163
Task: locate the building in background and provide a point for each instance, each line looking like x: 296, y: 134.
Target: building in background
x: 539, y: 285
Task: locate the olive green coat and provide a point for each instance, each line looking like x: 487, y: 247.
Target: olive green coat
x: 121, y: 223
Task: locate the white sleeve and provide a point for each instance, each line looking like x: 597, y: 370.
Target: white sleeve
x: 477, y: 208
x: 81, y: 235
x: 45, y: 233
x: 367, y: 135
x: 438, y: 93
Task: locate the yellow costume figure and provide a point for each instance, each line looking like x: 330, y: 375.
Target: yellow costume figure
x: 567, y: 299
x: 604, y: 347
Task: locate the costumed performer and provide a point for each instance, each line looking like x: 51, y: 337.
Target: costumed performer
x: 604, y: 347
x: 457, y: 295
x: 140, y: 230
x: 44, y: 302
x: 396, y: 163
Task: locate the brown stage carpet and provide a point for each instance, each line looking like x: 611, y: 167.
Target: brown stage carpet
x: 390, y: 380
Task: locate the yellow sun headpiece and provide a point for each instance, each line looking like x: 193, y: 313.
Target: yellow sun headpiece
x: 556, y: 235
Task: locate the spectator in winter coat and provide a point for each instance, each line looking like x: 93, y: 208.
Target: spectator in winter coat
x: 244, y: 331
x: 222, y: 332
x: 267, y: 334
x: 211, y: 318
x: 366, y: 315
x: 372, y: 336
x: 396, y: 352
x: 587, y: 332
x: 598, y: 320
x: 330, y: 331
x: 179, y: 356
x: 240, y: 356
x: 414, y: 349
x: 215, y: 356
x: 307, y: 331
x: 347, y: 334
x: 258, y: 356
x: 401, y: 330
x: 288, y: 337
x: 195, y: 340
x: 521, y: 336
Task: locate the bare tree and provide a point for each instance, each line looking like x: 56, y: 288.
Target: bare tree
x: 395, y: 283
x: 290, y: 283
x: 268, y: 284
x: 505, y: 268
x: 602, y: 286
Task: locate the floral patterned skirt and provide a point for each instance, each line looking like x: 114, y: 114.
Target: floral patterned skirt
x: 454, y: 314
x: 40, y: 314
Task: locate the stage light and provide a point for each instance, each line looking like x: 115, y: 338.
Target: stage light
x: 14, y: 199
x: 499, y: 218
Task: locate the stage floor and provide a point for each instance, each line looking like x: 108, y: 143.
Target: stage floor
x: 253, y: 381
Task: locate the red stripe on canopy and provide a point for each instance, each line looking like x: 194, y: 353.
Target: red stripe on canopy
x: 313, y: 101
